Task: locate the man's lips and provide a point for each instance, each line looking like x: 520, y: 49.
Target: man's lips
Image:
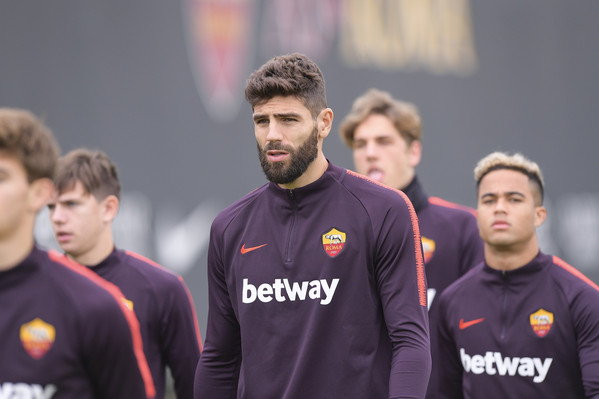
x: 276, y: 155
x: 500, y: 224
x: 62, y: 236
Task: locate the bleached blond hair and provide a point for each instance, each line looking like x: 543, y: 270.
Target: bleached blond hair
x: 518, y: 162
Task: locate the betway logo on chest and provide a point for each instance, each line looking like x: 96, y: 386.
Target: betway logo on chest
x: 282, y: 290
x: 493, y: 363
x: 9, y: 390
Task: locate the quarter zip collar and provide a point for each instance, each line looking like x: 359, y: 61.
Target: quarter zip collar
x: 333, y: 173
x: 520, y: 275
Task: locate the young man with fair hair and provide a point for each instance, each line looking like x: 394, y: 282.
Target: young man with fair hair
x: 522, y: 324
x: 64, y: 332
x: 385, y: 137
x: 316, y: 279
x: 85, y: 203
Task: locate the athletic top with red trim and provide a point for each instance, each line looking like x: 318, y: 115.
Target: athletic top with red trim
x: 528, y: 333
x: 316, y: 292
x: 163, y: 306
x: 65, y: 333
x: 452, y: 246
x: 450, y: 238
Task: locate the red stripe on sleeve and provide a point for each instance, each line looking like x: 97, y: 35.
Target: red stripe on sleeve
x: 421, y: 280
x: 147, y: 260
x: 447, y: 204
x: 574, y: 271
x: 418, y: 250
x: 189, y: 297
x: 112, y: 289
x: 193, y: 312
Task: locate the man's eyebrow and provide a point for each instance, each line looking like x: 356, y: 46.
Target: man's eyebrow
x: 509, y: 193
x: 278, y: 115
x: 287, y: 114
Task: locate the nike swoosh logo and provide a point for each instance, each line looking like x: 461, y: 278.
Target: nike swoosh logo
x: 245, y: 250
x: 470, y: 323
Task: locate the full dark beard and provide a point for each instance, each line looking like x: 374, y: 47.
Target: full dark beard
x: 278, y: 172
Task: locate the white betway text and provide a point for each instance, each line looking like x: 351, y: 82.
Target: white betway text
x: 282, y: 290
x: 494, y: 363
x: 9, y: 390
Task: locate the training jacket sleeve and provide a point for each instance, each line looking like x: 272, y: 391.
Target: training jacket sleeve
x: 448, y: 378
x: 181, y: 339
x: 217, y: 375
x: 399, y: 271
x: 109, y: 357
x: 110, y: 341
x: 585, y: 314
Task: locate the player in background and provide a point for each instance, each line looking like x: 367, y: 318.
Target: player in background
x: 64, y: 332
x: 385, y: 137
x: 85, y: 202
x: 522, y: 324
x: 316, y: 281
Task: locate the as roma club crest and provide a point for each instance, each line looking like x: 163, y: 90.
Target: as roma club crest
x: 37, y: 337
x: 333, y: 242
x: 428, y: 246
x: 541, y: 322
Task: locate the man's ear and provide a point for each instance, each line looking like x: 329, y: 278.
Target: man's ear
x: 415, y: 153
x: 110, y: 207
x: 40, y: 191
x: 540, y: 215
x: 324, y: 122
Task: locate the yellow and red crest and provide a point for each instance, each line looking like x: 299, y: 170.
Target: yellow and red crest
x: 37, y: 337
x: 541, y: 322
x: 128, y: 303
x: 428, y: 246
x: 333, y: 242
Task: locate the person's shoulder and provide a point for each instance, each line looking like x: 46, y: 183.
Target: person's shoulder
x: 82, y: 288
x: 451, y: 209
x: 571, y: 280
x: 370, y: 192
x: 464, y: 284
x: 153, y: 273
x: 146, y: 265
x: 65, y: 272
x: 580, y: 293
x: 230, y: 212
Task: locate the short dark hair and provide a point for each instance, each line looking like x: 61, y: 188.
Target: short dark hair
x: 288, y: 75
x: 26, y: 138
x: 93, y: 169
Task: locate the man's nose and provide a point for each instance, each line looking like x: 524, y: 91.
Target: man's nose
x: 274, y: 132
x: 371, y: 150
x: 56, y: 214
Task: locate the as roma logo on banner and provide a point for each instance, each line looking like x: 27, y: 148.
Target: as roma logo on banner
x: 220, y: 46
x: 541, y: 322
x: 333, y: 242
x: 37, y: 337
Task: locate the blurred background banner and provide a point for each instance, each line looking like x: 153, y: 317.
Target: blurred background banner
x: 158, y: 85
